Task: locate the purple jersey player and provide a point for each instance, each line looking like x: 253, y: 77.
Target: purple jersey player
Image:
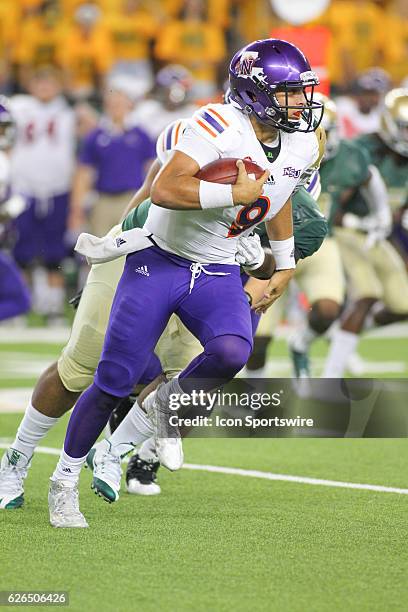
x: 190, y: 267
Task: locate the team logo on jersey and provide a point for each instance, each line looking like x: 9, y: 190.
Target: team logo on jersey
x: 292, y: 172
x: 246, y: 63
x: 142, y: 270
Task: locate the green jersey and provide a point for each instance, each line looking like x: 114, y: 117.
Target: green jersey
x: 392, y: 166
x: 347, y: 171
x: 309, y: 225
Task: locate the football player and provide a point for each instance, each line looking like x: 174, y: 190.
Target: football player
x: 388, y: 151
x: 42, y: 164
x: 60, y: 385
x: 361, y: 218
x: 272, y: 120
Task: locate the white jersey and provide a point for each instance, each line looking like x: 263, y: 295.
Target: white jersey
x: 43, y: 157
x: 153, y: 117
x: 223, y: 131
x: 353, y: 122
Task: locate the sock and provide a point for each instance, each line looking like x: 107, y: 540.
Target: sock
x: 32, y: 429
x: 257, y: 359
x: 134, y: 429
x: 147, y: 451
x: 172, y: 387
x: 68, y: 468
x: 303, y: 338
x: 343, y: 344
x: 56, y: 297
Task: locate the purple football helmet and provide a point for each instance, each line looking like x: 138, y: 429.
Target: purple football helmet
x: 7, y: 125
x: 265, y: 67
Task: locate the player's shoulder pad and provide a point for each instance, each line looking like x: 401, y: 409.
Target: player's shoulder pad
x: 307, y: 146
x: 20, y: 101
x: 219, y: 124
x: 321, y: 145
x: 169, y: 137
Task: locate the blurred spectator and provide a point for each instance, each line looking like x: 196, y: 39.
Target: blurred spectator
x: 42, y: 168
x: 252, y: 20
x: 132, y: 28
x: 86, y: 53
x: 219, y: 11
x: 396, y: 47
x: 193, y: 41
x: 360, y: 113
x: 10, y: 14
x: 358, y: 37
x: 40, y: 40
x: 113, y: 161
x: 169, y: 100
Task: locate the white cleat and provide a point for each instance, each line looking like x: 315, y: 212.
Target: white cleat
x: 107, y: 471
x: 13, y: 470
x: 167, y: 437
x: 63, y: 503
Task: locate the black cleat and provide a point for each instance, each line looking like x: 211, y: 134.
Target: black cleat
x: 141, y: 476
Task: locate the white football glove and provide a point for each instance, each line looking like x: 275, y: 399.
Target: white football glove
x: 250, y: 254
x: 376, y: 226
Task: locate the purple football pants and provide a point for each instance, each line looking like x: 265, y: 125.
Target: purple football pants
x: 14, y: 294
x: 154, y: 285
x: 41, y: 230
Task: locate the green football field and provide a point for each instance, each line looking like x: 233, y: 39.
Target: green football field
x: 286, y: 531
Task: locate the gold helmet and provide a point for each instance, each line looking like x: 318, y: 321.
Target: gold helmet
x: 394, y: 121
x: 330, y: 125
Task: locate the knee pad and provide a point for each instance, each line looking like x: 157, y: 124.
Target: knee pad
x: 114, y: 378
x: 230, y: 353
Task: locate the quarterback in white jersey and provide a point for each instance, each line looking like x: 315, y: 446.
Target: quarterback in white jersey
x: 187, y: 273
x: 223, y: 131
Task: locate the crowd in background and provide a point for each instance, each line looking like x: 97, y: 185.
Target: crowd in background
x: 88, y: 40
x: 91, y: 86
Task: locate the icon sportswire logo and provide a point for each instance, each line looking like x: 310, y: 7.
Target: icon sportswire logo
x: 142, y: 270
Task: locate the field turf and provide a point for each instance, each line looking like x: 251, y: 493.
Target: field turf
x: 221, y: 542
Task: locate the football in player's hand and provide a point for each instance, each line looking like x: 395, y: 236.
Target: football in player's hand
x: 225, y: 171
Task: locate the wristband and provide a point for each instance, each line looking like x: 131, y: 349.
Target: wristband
x: 283, y: 252
x: 215, y: 195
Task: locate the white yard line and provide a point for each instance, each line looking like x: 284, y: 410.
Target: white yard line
x: 46, y: 450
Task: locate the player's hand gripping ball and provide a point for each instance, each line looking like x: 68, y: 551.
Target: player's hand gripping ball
x: 245, y: 175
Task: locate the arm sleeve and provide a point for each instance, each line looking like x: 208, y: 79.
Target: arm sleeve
x: 195, y: 146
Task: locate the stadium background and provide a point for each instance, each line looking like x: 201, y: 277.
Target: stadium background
x: 299, y: 547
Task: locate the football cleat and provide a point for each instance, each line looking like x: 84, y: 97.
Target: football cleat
x: 166, y: 436
x: 107, y: 471
x: 13, y: 470
x: 301, y: 363
x: 63, y: 503
x: 141, y: 476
